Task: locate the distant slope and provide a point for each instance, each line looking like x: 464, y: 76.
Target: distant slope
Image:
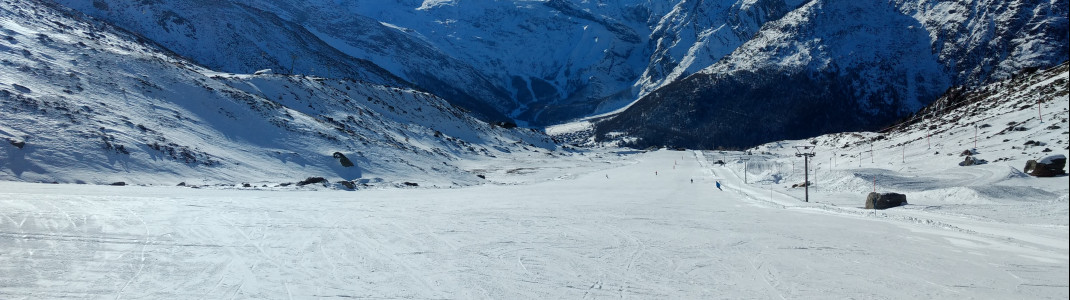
x: 231, y: 36
x: 556, y: 60
x: 1000, y: 125
x: 85, y: 102
x: 831, y: 66
x: 399, y: 50
x: 792, y: 80
x: 807, y: 67
x: 1003, y: 115
x: 1021, y: 118
x: 696, y: 34
x: 246, y: 36
x: 534, y: 61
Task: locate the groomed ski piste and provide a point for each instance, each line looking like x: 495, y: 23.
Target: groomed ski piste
x: 624, y: 225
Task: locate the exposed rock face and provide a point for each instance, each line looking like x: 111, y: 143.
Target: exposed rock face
x: 1050, y: 166
x: 885, y: 200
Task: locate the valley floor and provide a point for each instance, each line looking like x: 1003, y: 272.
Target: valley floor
x: 627, y: 225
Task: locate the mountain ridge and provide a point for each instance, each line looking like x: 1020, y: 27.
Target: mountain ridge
x: 831, y: 66
x: 539, y: 63
x: 83, y: 102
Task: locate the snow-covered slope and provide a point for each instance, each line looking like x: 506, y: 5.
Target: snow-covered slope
x: 613, y: 228
x: 974, y: 41
x: 234, y: 36
x: 1003, y: 124
x: 541, y: 62
x: 980, y: 41
x: 85, y: 102
x: 696, y: 34
x: 536, y: 61
x: 558, y: 59
x: 831, y: 66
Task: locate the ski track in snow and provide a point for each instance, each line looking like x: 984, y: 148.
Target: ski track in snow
x: 631, y: 235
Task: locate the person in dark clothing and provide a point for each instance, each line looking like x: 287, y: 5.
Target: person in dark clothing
x: 718, y: 185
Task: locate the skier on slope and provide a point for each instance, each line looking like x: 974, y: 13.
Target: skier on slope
x: 718, y: 185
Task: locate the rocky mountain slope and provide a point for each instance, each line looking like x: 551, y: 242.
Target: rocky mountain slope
x: 963, y: 156
x: 558, y: 60
x: 832, y: 66
x: 1019, y: 118
x: 696, y: 34
x: 533, y: 61
x: 86, y: 102
x: 808, y: 67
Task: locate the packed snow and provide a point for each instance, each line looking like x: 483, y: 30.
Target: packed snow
x: 631, y: 225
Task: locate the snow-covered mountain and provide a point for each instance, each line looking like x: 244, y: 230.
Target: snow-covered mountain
x: 83, y: 101
x: 234, y: 36
x: 833, y: 66
x: 534, y: 61
x: 753, y: 70
x: 557, y: 59
x: 696, y: 34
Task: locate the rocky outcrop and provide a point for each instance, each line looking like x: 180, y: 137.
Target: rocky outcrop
x: 348, y: 184
x: 17, y: 144
x: 972, y: 161
x: 312, y: 180
x: 885, y: 200
x: 1050, y: 166
x: 343, y: 159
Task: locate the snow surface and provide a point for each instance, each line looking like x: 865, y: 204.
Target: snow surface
x: 628, y: 226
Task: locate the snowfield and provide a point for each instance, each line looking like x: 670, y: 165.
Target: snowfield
x: 442, y: 205
x: 623, y: 225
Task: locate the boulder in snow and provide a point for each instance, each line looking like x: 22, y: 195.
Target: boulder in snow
x: 311, y: 180
x: 1050, y: 166
x: 885, y: 200
x: 17, y: 144
x: 343, y: 159
x: 348, y: 184
x: 972, y: 161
